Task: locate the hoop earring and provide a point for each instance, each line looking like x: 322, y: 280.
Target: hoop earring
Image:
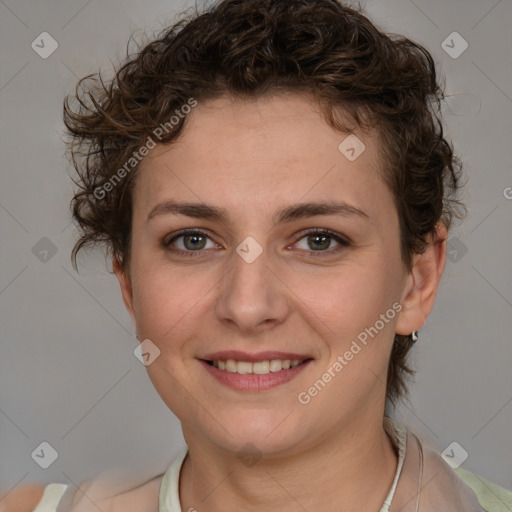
x: 414, y: 336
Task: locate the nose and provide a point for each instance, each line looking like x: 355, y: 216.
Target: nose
x: 252, y: 297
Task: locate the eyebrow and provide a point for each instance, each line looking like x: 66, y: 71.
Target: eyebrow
x: 288, y: 214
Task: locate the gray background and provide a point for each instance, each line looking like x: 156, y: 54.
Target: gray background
x: 68, y: 375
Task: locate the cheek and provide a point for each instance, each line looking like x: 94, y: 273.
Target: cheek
x: 349, y: 298
x: 167, y: 300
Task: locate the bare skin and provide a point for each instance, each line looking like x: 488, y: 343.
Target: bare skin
x: 22, y: 499
x: 252, y: 159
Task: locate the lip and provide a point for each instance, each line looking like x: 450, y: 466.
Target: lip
x: 254, y: 382
x: 238, y: 355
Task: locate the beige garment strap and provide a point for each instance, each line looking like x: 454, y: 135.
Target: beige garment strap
x: 407, y: 497
x: 51, y: 497
x: 429, y: 484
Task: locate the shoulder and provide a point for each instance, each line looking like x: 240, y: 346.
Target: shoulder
x: 93, y: 495
x: 491, y: 496
x: 472, y: 491
x: 22, y: 499
x: 144, y: 498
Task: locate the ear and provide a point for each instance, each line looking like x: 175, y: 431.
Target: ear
x: 126, y: 287
x: 422, y: 284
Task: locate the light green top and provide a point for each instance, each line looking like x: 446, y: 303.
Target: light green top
x: 491, y: 497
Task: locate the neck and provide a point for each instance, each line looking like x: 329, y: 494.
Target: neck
x: 353, y: 465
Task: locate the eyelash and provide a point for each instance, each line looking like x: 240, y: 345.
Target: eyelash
x: 315, y: 254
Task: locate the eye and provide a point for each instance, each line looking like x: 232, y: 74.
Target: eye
x: 188, y: 242
x: 320, y: 240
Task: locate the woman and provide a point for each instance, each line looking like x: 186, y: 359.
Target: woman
x: 274, y: 188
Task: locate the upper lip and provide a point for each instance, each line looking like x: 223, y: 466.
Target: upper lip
x: 238, y: 355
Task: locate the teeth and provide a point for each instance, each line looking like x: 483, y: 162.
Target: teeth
x: 276, y: 365
x: 244, y: 367
x: 231, y: 366
x: 258, y: 368
x: 261, y: 367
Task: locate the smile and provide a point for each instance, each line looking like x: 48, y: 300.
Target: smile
x: 260, y: 375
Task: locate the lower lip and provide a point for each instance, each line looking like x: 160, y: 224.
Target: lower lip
x: 254, y: 382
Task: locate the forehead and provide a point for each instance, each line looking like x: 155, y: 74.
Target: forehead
x: 263, y: 151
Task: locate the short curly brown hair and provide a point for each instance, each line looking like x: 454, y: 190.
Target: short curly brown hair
x: 248, y: 48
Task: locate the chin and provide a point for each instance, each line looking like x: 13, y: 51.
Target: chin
x: 269, y: 432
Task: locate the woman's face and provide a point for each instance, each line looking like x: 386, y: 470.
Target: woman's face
x: 255, y: 285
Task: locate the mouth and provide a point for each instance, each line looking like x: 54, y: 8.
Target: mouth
x: 245, y: 372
